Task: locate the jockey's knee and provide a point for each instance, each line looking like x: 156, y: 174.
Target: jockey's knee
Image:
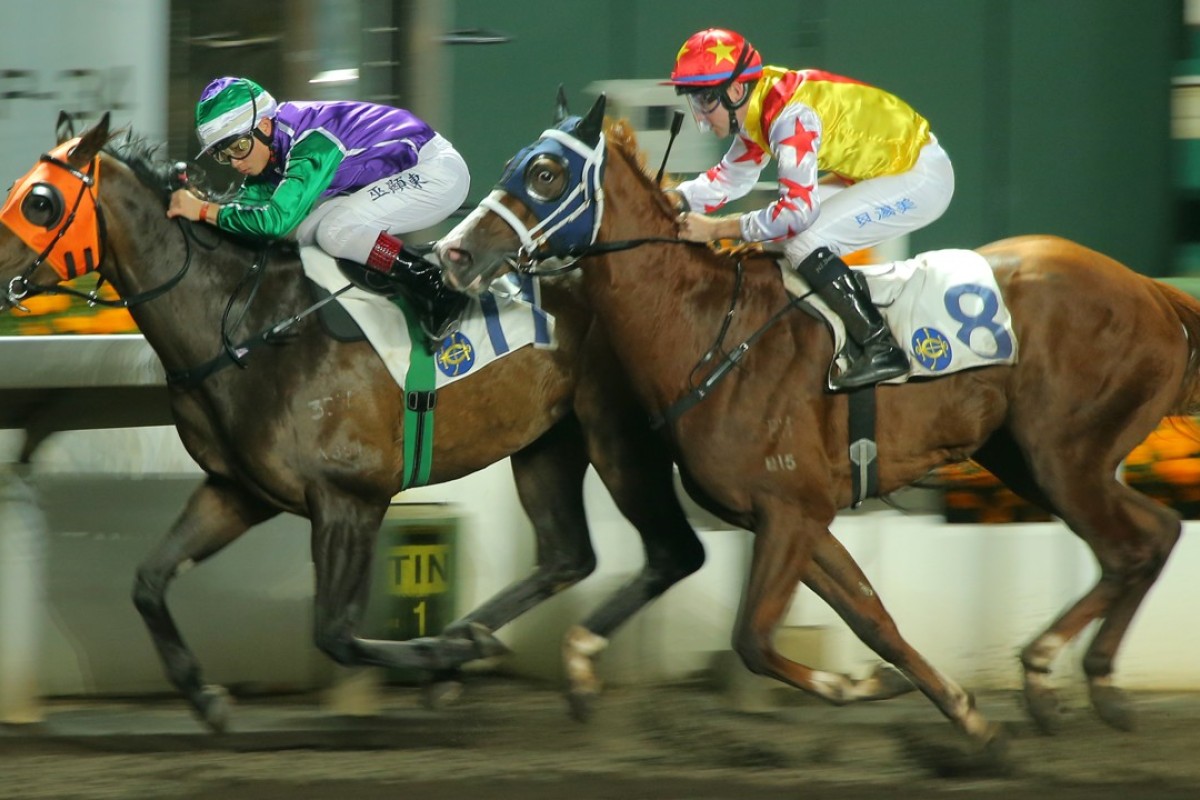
x: 342, y: 234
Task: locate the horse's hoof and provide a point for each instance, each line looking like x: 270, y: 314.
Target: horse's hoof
x: 581, y: 705
x: 888, y: 682
x: 1113, y: 708
x: 948, y: 755
x: 214, y: 706
x: 1042, y: 705
x: 993, y: 752
x: 444, y: 690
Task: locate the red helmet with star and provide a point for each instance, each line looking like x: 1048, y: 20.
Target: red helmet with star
x: 715, y: 57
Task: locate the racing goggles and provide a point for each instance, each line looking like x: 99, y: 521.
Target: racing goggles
x: 235, y: 148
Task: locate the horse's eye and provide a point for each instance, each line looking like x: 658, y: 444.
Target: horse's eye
x: 546, y: 178
x: 43, y: 205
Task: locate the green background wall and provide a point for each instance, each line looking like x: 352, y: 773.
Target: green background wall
x: 1055, y: 112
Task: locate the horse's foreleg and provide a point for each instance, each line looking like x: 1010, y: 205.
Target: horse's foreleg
x: 638, y: 472
x: 549, y: 478
x: 644, y: 492
x: 788, y: 550
x: 344, y: 532
x: 215, y: 515
x: 840, y: 582
x: 782, y: 555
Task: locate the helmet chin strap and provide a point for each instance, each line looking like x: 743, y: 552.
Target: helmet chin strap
x: 732, y: 107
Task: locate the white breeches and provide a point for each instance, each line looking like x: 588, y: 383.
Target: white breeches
x: 347, y: 226
x: 875, y: 210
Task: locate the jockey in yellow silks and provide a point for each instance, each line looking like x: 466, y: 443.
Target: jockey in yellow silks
x: 884, y: 175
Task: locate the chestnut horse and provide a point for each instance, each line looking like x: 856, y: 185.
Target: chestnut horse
x: 264, y: 451
x: 1105, y: 354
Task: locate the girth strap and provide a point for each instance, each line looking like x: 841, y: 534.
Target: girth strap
x: 864, y: 452
x: 420, y: 398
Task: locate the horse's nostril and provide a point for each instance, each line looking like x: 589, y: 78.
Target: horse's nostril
x: 459, y: 256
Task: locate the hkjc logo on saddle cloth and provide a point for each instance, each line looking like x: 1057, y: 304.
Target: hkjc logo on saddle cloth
x: 943, y: 307
x: 492, y: 327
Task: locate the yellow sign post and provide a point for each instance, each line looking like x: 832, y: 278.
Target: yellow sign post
x: 414, y: 590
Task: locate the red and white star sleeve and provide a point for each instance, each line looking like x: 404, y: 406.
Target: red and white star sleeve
x: 734, y: 177
x: 795, y: 137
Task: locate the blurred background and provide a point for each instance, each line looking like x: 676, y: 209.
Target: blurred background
x: 1079, y: 118
x: 1075, y: 117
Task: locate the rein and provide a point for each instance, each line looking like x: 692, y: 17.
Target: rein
x: 528, y: 266
x: 729, y: 360
x: 720, y: 369
x: 94, y: 299
x: 235, y: 354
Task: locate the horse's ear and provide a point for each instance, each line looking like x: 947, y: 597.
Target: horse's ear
x: 93, y: 139
x: 560, y: 105
x: 591, y: 126
x: 64, y: 129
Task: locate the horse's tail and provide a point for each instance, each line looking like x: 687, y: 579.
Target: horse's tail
x: 1187, y: 308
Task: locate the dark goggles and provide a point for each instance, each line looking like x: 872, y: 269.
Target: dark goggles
x: 233, y: 148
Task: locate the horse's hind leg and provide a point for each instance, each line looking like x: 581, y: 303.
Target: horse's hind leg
x: 1132, y: 536
x: 215, y: 515
x: 1143, y: 571
x: 549, y: 477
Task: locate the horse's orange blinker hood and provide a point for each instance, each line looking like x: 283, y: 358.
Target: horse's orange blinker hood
x: 47, y: 210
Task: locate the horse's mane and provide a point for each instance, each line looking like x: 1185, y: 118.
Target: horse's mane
x: 142, y: 158
x: 621, y: 135
x: 145, y: 160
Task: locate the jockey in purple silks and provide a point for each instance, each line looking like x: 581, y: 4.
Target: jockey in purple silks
x: 350, y: 177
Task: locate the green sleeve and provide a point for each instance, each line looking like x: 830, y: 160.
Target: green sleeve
x: 254, y: 193
x: 273, y: 212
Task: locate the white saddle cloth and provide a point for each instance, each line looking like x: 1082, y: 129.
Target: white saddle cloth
x: 492, y: 326
x: 943, y: 307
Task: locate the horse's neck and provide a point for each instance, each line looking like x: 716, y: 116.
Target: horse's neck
x: 654, y: 298
x: 183, y: 324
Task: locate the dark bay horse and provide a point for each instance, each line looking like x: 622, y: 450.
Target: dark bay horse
x: 264, y: 450
x: 1105, y: 355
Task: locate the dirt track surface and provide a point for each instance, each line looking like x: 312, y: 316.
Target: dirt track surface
x: 506, y: 739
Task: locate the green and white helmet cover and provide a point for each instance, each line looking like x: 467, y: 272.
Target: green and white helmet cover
x: 228, y: 107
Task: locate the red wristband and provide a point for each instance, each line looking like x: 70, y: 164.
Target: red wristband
x: 204, y: 212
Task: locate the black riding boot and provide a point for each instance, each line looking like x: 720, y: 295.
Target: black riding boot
x: 421, y: 281
x: 879, y: 357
